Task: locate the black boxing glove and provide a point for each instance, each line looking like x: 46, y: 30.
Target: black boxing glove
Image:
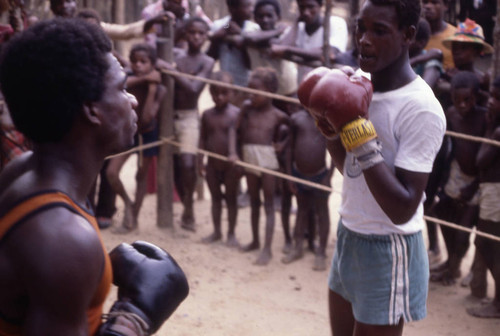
x: 151, y: 285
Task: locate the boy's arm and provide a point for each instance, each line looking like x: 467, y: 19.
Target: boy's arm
x: 488, y: 153
x: 431, y: 76
x: 397, y: 193
x: 217, y: 37
x: 152, y: 77
x: 262, y: 37
x: 431, y: 54
x: 296, y: 54
x: 150, y: 109
x: 233, y: 143
x: 202, y: 144
x: 289, y: 154
x: 192, y: 85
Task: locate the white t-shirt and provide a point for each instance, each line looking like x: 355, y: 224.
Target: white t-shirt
x: 410, y: 124
x: 338, y: 39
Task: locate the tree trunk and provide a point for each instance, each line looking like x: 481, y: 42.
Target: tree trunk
x: 495, y: 61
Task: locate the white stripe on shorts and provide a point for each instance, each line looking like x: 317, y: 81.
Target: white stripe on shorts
x: 400, y: 298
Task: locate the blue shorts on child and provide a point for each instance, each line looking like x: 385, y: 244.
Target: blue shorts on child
x: 384, y: 277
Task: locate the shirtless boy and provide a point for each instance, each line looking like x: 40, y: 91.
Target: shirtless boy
x: 144, y: 84
x: 187, y: 120
x: 218, y: 135
x: 488, y: 162
x: 385, y: 162
x: 258, y: 125
x: 458, y: 203
x: 308, y: 161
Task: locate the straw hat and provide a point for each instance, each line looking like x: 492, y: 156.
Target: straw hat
x: 469, y: 32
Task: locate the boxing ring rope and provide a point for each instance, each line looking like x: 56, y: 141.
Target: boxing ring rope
x: 275, y: 173
x: 296, y: 101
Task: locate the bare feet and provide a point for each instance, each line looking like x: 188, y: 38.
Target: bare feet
x: 250, y: 247
x: 295, y: 254
x: 264, y: 257
x: 485, y: 311
x: 212, y: 238
x: 287, y: 248
x: 232, y: 241
x: 439, y: 268
x: 129, y: 220
x: 446, y: 277
x: 319, y: 263
x: 466, y: 280
x: 435, y: 258
x: 188, y: 226
x: 187, y: 221
x: 122, y: 230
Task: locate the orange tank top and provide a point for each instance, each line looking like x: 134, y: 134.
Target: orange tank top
x: 46, y: 200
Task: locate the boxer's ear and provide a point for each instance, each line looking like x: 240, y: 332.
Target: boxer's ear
x: 91, y: 113
x: 409, y: 34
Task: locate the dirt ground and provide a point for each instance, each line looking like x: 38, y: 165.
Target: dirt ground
x: 231, y: 296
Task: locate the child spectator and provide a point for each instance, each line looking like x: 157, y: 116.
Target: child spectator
x: 426, y: 63
x: 143, y: 83
x: 179, y: 10
x: 218, y: 135
x: 187, y: 119
x: 304, y: 42
x: 466, y: 45
x: 267, y: 13
x: 458, y: 202
x: 226, y: 47
x: 488, y: 162
x: 258, y: 126
x: 308, y: 161
x: 434, y: 11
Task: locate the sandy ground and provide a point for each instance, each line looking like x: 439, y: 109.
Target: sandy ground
x: 231, y: 296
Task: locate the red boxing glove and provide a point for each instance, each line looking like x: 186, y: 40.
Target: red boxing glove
x: 339, y: 98
x: 308, y: 84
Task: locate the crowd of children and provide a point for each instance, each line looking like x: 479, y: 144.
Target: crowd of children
x: 269, y: 55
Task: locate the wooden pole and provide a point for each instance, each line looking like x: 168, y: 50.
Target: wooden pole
x: 326, y: 34
x: 119, y: 17
x: 165, y: 169
x: 495, y: 58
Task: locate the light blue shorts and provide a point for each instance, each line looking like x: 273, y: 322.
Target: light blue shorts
x: 384, y: 277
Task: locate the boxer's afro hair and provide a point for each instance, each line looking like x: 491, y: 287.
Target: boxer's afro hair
x: 49, y: 71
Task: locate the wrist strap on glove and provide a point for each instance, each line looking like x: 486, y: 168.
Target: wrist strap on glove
x: 356, y: 133
x: 368, y: 154
x: 124, y: 319
x: 126, y: 324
